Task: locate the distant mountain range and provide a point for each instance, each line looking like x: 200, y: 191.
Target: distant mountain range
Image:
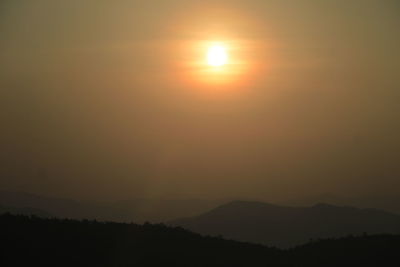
x: 34, y: 241
x: 249, y: 221
x: 25, y: 211
x: 284, y: 226
x: 138, y: 210
x: 389, y: 203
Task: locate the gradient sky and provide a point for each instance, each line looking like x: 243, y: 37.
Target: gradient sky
x: 110, y: 99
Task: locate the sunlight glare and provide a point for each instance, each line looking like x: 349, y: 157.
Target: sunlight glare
x: 217, y: 56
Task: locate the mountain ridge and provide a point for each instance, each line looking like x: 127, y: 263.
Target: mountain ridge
x: 30, y: 240
x: 284, y: 226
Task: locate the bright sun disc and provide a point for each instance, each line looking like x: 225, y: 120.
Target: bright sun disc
x: 216, y: 56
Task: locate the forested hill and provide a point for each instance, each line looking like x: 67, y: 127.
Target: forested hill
x: 33, y: 241
x: 56, y: 242
x: 286, y: 227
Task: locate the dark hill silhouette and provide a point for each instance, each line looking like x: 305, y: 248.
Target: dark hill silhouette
x: 25, y: 211
x: 34, y: 241
x: 387, y: 202
x: 288, y: 226
x: 135, y: 209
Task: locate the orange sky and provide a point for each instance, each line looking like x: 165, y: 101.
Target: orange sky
x: 116, y: 97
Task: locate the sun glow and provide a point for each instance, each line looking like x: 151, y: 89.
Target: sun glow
x: 216, y: 56
x: 217, y: 66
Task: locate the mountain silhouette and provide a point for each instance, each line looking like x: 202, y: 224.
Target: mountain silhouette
x: 138, y: 210
x: 288, y: 226
x: 34, y: 241
x: 386, y: 202
x: 25, y: 211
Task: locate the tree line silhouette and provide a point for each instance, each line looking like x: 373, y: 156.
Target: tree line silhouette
x: 35, y: 241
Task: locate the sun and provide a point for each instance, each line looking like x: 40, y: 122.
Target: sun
x: 217, y: 56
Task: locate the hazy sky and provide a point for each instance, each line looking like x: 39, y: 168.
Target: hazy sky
x: 111, y: 99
